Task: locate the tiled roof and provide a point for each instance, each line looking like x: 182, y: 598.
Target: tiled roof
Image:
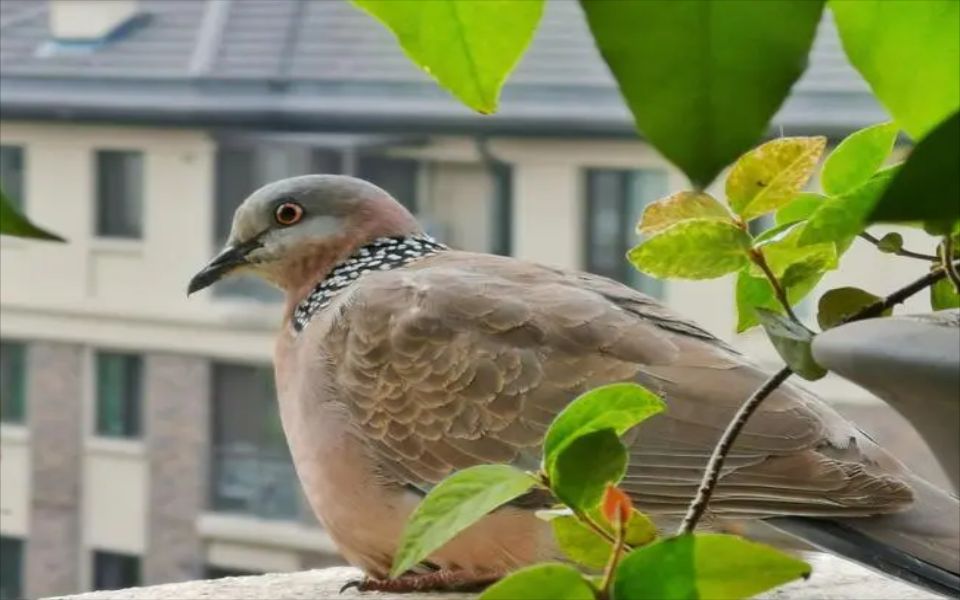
x: 276, y: 59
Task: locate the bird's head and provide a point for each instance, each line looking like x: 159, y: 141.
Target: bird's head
x: 291, y: 232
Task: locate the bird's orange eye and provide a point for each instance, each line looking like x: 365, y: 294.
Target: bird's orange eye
x: 289, y: 213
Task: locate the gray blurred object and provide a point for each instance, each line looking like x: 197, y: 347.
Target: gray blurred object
x: 913, y: 364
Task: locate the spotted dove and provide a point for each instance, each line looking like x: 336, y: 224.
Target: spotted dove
x: 400, y: 360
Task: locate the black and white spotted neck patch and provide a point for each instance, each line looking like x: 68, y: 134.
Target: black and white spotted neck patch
x: 381, y: 254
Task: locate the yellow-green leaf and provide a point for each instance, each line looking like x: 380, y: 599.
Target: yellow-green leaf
x: 682, y: 206
x: 547, y: 581
x: 454, y: 504
x: 469, y: 47
x: 857, y: 158
x: 769, y: 176
x: 839, y: 304
x: 585, y: 546
x: 697, y: 249
x: 943, y: 295
x: 707, y: 566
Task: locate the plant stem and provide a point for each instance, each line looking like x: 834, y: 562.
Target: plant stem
x: 589, y: 522
x: 720, y: 451
x: 902, y: 251
x: 712, y: 474
x: 946, y: 259
x: 611, y: 568
x: 761, y: 261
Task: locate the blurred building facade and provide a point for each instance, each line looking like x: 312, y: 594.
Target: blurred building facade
x: 138, y: 431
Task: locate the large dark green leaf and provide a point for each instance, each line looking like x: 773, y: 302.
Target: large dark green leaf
x: 618, y: 406
x: 585, y: 466
x: 792, y: 342
x: 707, y: 566
x: 456, y: 503
x: 927, y: 186
x: 468, y: 47
x: 909, y: 53
x: 15, y: 224
x: 696, y: 249
x: 703, y: 79
x: 548, y: 581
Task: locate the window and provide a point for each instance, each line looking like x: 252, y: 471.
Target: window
x: 253, y: 472
x: 11, y: 568
x: 11, y: 175
x: 120, y: 194
x: 13, y: 378
x: 119, y: 394
x: 396, y: 175
x: 614, y: 203
x: 113, y: 571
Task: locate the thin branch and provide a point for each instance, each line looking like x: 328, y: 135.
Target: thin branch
x: 712, y: 474
x: 946, y: 259
x: 611, y: 567
x: 902, y: 251
x: 720, y: 451
x: 589, y: 522
x: 761, y: 261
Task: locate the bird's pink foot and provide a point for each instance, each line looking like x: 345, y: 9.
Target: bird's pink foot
x: 443, y: 580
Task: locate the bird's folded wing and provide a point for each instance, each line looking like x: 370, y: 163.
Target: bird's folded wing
x: 465, y: 359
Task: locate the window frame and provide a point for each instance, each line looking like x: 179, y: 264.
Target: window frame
x: 100, y: 224
x: 19, y: 199
x: 651, y: 286
x: 21, y: 385
x: 96, y: 555
x: 132, y: 421
x: 8, y: 542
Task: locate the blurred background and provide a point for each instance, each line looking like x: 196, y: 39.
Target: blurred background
x: 140, y: 441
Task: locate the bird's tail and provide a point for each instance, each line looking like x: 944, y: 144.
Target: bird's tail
x: 920, y: 545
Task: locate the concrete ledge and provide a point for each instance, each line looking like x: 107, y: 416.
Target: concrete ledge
x: 833, y: 579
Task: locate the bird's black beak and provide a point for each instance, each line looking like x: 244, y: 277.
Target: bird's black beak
x: 229, y: 259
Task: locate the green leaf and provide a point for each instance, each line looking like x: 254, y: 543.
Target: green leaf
x: 857, y: 158
x: 15, y: 224
x: 909, y: 53
x: 800, y: 208
x: 618, y: 406
x: 756, y: 292
x: 710, y: 566
x: 891, y: 243
x: 927, y: 187
x: 468, y: 47
x: 943, y: 295
x: 548, y: 581
x: 453, y: 505
x: 588, y: 548
x: 698, y: 249
x: 585, y: 466
x: 792, y: 342
x: 844, y: 217
x: 682, y: 206
x: 783, y: 255
x: 771, y: 175
x: 841, y: 303
x: 700, y: 90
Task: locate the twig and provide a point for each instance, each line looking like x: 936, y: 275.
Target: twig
x: 720, y: 451
x: 901, y: 252
x: 946, y: 259
x: 761, y: 261
x: 712, y: 474
x: 589, y: 522
x: 611, y: 567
